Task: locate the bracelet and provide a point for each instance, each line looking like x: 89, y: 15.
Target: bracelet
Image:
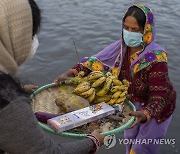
x: 74, y: 71
x: 147, y: 114
x: 95, y: 139
x: 96, y: 143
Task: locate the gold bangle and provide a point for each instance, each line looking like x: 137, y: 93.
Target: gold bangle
x: 147, y: 114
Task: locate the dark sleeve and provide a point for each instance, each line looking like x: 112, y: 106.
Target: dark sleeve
x: 20, y: 133
x: 158, y: 81
x: 80, y: 67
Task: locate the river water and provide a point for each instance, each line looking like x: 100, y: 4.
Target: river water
x: 94, y: 24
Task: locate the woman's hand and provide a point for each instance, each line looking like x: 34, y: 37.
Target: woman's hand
x: 29, y: 88
x: 63, y: 77
x: 96, y: 133
x: 140, y: 117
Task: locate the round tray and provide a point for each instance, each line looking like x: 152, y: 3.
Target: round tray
x: 68, y: 134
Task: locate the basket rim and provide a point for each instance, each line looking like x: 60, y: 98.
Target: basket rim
x: 75, y: 135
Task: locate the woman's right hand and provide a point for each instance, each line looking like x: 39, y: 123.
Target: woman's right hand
x: 63, y: 77
x: 96, y: 134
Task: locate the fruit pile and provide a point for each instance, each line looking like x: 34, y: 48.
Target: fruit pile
x: 97, y: 87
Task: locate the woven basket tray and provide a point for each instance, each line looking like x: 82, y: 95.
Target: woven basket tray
x: 43, y: 100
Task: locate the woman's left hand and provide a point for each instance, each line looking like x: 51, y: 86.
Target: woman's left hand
x: 140, y: 117
x: 29, y: 88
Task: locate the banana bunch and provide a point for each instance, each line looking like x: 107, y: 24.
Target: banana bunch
x: 97, y: 87
x: 119, y: 91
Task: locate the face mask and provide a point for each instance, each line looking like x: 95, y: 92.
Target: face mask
x: 34, y: 47
x: 132, y: 39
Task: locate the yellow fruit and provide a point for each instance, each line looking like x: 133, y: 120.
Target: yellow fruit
x: 98, y: 82
x: 116, y: 82
x: 108, y: 74
x: 85, y: 83
x: 117, y: 88
x: 73, y: 81
x: 112, y: 101
x: 116, y: 94
x: 91, y: 97
x: 81, y: 89
x: 123, y: 94
x: 105, y: 88
x: 125, y: 88
x: 94, y: 76
x: 95, y: 72
x: 104, y: 98
x: 87, y: 93
x: 126, y: 82
x: 81, y: 74
x: 120, y: 100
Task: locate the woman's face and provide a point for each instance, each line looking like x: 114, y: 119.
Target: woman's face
x: 131, y: 25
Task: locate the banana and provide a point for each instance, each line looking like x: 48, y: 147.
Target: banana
x: 112, y: 101
x: 108, y: 74
x: 114, y: 77
x: 116, y: 82
x: 105, y: 88
x: 104, y: 98
x: 116, y: 94
x: 118, y: 88
x: 85, y: 83
x: 94, y: 76
x: 120, y: 100
x: 95, y: 73
x: 98, y: 82
x: 81, y: 74
x: 91, y: 97
x: 125, y: 88
x: 87, y: 93
x: 73, y: 81
x: 81, y: 89
x: 126, y: 82
x: 123, y: 94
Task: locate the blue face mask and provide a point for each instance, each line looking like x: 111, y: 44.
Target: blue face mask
x: 132, y: 39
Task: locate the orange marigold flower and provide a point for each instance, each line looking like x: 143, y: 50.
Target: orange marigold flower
x: 87, y: 64
x: 131, y: 60
x: 134, y: 56
x: 148, y: 27
x: 147, y: 37
x: 164, y: 54
x: 97, y: 66
x: 136, y: 68
x: 115, y: 71
x: 159, y: 57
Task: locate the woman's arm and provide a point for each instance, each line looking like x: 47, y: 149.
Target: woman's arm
x: 20, y: 133
x: 159, y: 90
x: 72, y: 73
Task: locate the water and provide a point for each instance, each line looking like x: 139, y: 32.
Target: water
x: 93, y: 25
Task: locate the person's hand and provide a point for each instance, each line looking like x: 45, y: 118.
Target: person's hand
x: 29, y: 88
x: 63, y: 77
x: 140, y: 117
x: 96, y: 133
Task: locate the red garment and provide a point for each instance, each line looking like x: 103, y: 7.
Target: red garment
x: 151, y: 87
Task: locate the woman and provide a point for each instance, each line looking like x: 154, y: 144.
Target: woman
x: 137, y: 58
x: 19, y: 129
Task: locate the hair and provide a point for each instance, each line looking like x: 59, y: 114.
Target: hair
x: 36, y: 16
x: 138, y: 14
